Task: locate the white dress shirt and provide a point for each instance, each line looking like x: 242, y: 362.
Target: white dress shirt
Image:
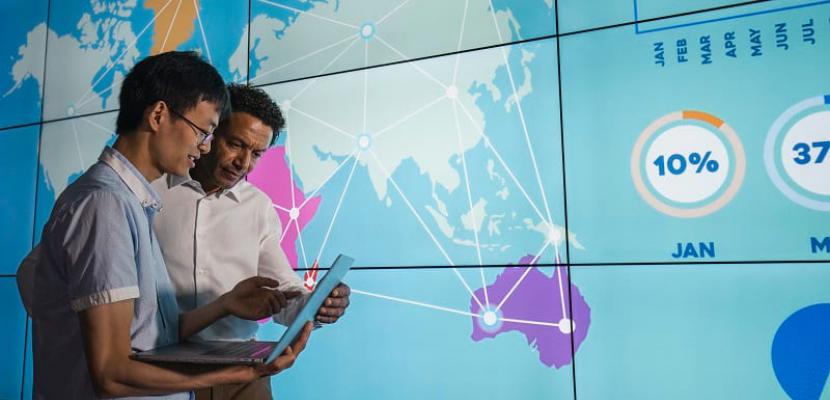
x: 211, y: 242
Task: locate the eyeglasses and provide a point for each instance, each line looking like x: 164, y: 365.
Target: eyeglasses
x: 203, y: 135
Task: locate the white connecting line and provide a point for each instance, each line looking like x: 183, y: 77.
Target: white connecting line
x: 365, y: 81
x: 407, y: 117
x: 97, y: 125
x: 521, y: 278
x: 458, y: 45
x: 307, y: 55
x: 390, y: 13
x: 89, y: 99
x: 324, y: 69
x: 470, y: 202
x: 202, y: 29
x: 302, y: 245
x: 413, y: 64
x: 286, y: 228
x: 447, y: 309
x: 290, y: 167
x: 170, y: 27
x: 337, y: 208
x: 328, y: 178
x: 416, y: 303
x: 324, y: 123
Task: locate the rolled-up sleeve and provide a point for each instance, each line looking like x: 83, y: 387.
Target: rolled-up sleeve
x: 99, y: 252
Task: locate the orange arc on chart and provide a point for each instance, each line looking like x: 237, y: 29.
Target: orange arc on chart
x: 703, y: 116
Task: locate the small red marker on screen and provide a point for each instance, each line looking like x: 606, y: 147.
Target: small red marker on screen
x: 310, y: 277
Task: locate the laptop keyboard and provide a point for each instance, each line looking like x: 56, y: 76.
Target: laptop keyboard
x: 241, y: 349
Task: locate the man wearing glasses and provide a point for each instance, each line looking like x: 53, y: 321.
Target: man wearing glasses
x: 216, y: 228
x: 101, y: 288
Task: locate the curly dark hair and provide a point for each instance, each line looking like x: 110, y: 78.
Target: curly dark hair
x: 256, y: 102
x: 179, y: 78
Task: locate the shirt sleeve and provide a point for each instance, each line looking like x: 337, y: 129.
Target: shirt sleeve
x: 98, y: 251
x: 273, y: 263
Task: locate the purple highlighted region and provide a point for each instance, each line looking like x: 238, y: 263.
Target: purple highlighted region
x: 273, y: 177
x: 536, y: 308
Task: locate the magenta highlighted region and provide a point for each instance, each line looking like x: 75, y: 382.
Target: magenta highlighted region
x: 273, y: 177
x: 534, y: 309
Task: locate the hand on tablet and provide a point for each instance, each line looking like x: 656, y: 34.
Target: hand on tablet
x: 335, y: 304
x: 256, y: 298
x: 287, y: 358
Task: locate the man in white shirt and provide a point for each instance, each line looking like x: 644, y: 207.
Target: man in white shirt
x: 217, y: 229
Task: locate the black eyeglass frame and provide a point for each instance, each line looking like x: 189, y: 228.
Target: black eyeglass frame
x: 204, y: 135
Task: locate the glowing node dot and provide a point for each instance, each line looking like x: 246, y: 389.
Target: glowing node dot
x: 285, y: 105
x: 294, y: 213
x: 554, y: 235
x: 490, y: 318
x: 367, y: 30
x: 70, y: 111
x: 309, y: 282
x: 364, y: 141
x: 452, y: 92
x: 566, y: 325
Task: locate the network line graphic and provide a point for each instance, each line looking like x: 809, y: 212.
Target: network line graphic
x: 366, y: 148
x: 366, y: 144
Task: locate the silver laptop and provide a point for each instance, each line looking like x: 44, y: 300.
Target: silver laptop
x: 251, y: 352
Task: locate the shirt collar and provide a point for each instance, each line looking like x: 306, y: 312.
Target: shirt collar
x: 131, y: 177
x: 175, y: 180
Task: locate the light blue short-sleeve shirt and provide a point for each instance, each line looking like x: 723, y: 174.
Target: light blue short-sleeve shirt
x: 98, y: 247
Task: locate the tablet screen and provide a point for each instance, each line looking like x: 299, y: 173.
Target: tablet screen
x: 338, y: 270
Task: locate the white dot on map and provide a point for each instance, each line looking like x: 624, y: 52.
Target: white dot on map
x: 294, y: 213
x: 309, y: 282
x: 364, y: 141
x: 490, y: 318
x: 452, y: 92
x: 566, y: 325
x: 70, y: 111
x: 367, y: 30
x: 554, y: 235
x: 285, y: 105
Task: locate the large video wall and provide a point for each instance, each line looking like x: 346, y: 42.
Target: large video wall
x: 553, y: 199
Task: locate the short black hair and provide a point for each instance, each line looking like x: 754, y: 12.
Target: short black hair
x: 179, y: 78
x: 259, y: 104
